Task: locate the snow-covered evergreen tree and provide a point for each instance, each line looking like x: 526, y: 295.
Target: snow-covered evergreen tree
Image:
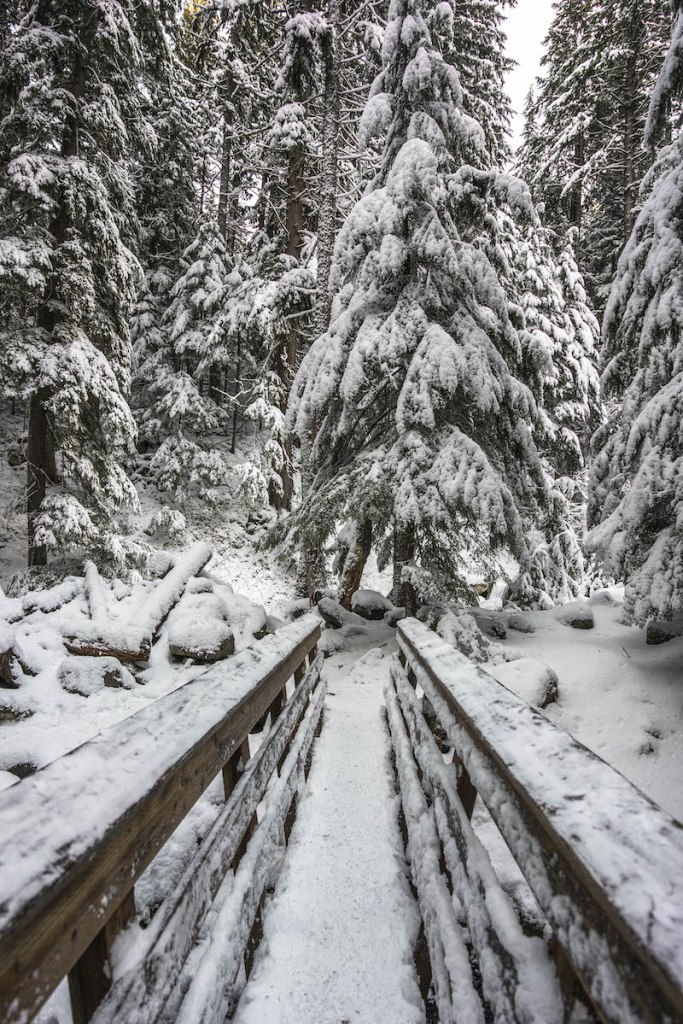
x: 584, y: 157
x: 424, y: 426
x: 72, y: 114
x: 470, y: 35
x: 637, y: 497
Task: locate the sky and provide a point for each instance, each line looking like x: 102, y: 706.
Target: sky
x: 527, y: 26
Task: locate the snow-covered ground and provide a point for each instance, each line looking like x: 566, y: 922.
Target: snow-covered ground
x: 340, y: 928
x: 620, y: 697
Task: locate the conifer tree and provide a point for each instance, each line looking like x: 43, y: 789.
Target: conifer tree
x: 424, y: 427
x: 72, y: 113
x: 584, y: 157
x: 637, y: 479
x: 471, y: 37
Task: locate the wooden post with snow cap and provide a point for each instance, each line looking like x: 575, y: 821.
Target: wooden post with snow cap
x: 603, y: 862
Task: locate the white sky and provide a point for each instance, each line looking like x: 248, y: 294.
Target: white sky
x: 527, y: 26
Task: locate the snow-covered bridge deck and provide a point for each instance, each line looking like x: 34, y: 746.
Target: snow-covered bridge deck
x: 353, y: 930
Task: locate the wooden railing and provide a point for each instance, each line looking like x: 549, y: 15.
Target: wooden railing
x: 604, y: 863
x: 76, y: 836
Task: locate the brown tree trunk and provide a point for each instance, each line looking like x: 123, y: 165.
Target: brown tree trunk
x: 327, y: 230
x: 576, y: 201
x: 631, y: 135
x: 225, y: 187
x: 354, y: 563
x: 40, y: 453
x: 41, y: 469
x: 329, y: 171
x: 403, y: 592
x: 288, y: 353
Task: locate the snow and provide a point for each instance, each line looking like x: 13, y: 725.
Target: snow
x: 630, y: 848
x: 56, y: 814
x: 530, y: 679
x: 617, y: 695
x: 339, y: 930
x: 517, y: 976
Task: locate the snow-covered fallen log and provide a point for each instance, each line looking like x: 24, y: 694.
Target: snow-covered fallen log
x: 131, y: 641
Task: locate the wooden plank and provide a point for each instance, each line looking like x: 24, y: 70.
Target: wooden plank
x: 518, y: 977
x: 90, y: 977
x: 456, y: 997
x: 91, y: 822
x: 139, y: 996
x: 568, y: 819
x: 204, y: 994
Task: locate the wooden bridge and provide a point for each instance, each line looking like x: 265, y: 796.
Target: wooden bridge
x: 604, y: 864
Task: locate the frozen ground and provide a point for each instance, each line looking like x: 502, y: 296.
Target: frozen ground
x: 620, y: 697
x: 340, y: 928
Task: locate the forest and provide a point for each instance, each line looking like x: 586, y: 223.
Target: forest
x: 301, y: 343
x: 287, y: 233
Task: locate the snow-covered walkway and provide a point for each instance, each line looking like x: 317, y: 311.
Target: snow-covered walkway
x: 340, y: 927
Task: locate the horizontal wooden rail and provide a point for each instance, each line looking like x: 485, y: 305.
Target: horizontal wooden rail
x: 603, y: 861
x: 75, y: 836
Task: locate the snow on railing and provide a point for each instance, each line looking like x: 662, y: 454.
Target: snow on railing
x: 604, y: 863
x: 76, y: 836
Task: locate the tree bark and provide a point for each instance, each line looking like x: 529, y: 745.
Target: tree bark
x: 631, y: 134
x: 327, y: 232
x: 41, y: 469
x: 327, y: 220
x: 403, y: 592
x: 225, y: 188
x: 576, y: 200
x: 354, y: 563
x: 288, y: 352
x: 41, y: 455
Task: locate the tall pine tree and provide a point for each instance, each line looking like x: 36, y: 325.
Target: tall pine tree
x: 637, y: 496
x: 72, y: 115
x: 583, y: 152
x: 425, y: 429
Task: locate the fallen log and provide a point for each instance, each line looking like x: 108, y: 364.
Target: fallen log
x: 132, y: 642
x: 95, y: 640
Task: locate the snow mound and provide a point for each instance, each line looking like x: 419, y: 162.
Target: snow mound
x: 205, y: 639
x: 577, y: 614
x: 530, y: 679
x: 370, y: 604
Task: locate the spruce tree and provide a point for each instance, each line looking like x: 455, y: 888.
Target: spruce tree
x: 72, y: 115
x: 424, y: 426
x: 583, y: 156
x: 637, y: 479
x: 470, y: 35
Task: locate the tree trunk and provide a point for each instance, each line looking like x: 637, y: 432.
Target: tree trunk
x: 225, y: 188
x: 403, y: 592
x: 288, y: 353
x: 233, y: 442
x: 215, y: 393
x: 40, y: 454
x: 354, y: 563
x: 41, y: 469
x: 327, y: 220
x: 631, y: 134
x: 327, y: 232
x: 576, y: 200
